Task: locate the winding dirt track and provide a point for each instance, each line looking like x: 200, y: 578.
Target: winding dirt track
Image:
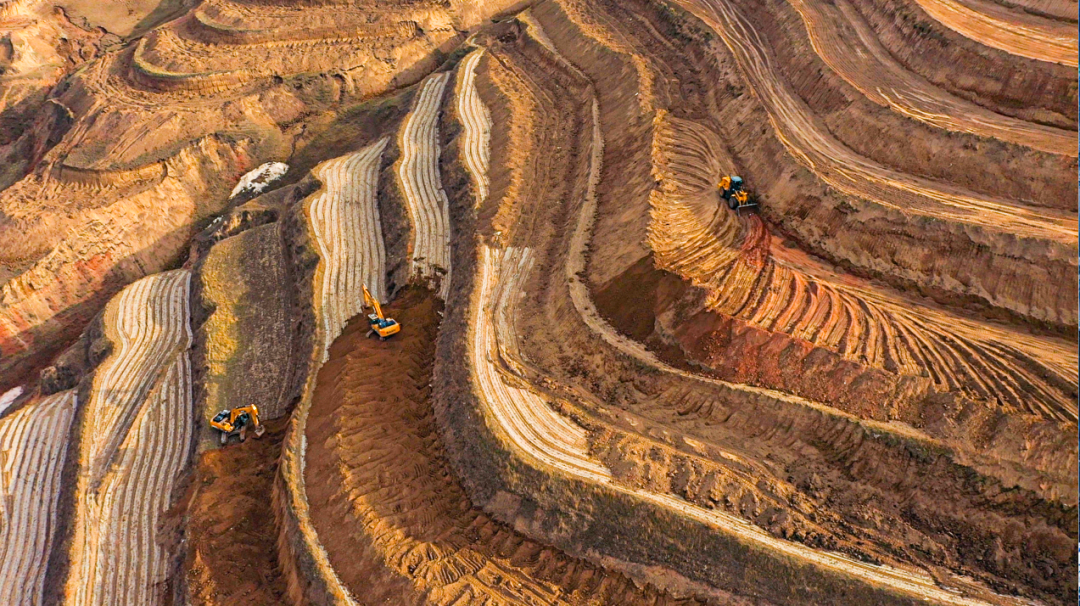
x: 136, y: 440
x: 344, y: 215
x: 811, y: 144
x: 476, y: 120
x: 1015, y: 33
x: 34, y: 443
x: 696, y: 237
x: 396, y: 523
x: 555, y: 443
x: 418, y: 174
x: 844, y: 41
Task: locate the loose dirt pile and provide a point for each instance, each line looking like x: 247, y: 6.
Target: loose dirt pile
x: 229, y: 526
x: 396, y: 523
x: 609, y: 387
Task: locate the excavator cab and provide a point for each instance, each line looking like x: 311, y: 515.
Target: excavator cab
x: 380, y: 324
x: 235, y: 421
x: 731, y: 189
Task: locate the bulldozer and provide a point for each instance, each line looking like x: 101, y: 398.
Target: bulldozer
x: 380, y: 324
x: 236, y: 421
x: 731, y: 190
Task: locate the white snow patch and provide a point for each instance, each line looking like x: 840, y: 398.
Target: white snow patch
x: 258, y: 179
x: 9, y: 397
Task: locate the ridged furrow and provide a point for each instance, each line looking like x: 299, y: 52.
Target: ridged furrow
x: 151, y: 323
x: 141, y: 402
x: 344, y: 217
x: 476, y: 120
x: 418, y: 173
x: 34, y: 441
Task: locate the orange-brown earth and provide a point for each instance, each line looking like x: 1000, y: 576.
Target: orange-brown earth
x: 229, y: 526
x: 397, y: 524
x: 862, y: 391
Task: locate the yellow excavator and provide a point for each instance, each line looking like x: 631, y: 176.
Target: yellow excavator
x: 731, y: 189
x: 236, y: 422
x: 380, y: 324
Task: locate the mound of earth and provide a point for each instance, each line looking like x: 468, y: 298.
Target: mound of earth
x: 611, y: 384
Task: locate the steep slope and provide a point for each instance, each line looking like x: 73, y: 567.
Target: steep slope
x: 34, y: 439
x: 135, y: 441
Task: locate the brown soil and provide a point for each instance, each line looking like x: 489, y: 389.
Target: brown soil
x: 229, y: 528
x: 839, y: 466
x: 395, y: 521
x: 877, y: 361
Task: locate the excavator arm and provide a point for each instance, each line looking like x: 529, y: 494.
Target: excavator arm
x: 380, y: 324
x: 373, y: 303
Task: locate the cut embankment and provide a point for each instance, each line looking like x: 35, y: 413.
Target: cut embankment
x: 136, y: 438
x: 810, y: 142
x: 396, y: 523
x: 844, y: 41
x: 521, y: 421
x: 543, y: 439
x: 418, y: 176
x: 34, y: 441
x: 695, y: 237
x: 344, y: 223
x: 96, y: 242
x: 1015, y: 33
x: 476, y: 119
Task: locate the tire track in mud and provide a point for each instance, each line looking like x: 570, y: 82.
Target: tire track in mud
x: 476, y: 119
x: 844, y: 41
x: 418, y: 175
x: 137, y: 437
x: 344, y: 215
x: 537, y: 432
x: 811, y: 145
x: 1017, y: 34
x: 34, y: 443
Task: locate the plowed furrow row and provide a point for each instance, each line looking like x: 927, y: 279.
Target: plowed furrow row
x: 151, y: 323
x: 34, y: 441
x: 344, y: 217
x: 520, y: 411
x: 125, y: 489
x: 418, y: 173
x: 476, y: 120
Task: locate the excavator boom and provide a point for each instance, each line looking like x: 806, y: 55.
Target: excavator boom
x: 380, y: 324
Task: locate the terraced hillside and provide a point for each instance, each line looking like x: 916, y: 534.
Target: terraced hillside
x: 609, y: 386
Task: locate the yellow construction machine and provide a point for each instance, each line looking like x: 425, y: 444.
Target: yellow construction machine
x: 380, y: 324
x: 731, y: 189
x: 236, y: 422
